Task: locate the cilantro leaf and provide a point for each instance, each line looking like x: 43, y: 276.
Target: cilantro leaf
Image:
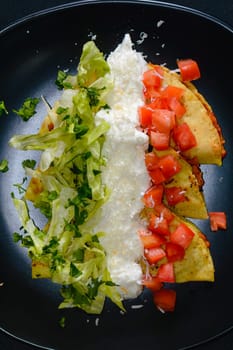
x: 3, y: 108
x: 74, y: 271
x: 4, y: 166
x: 29, y: 163
x: 62, y: 322
x: 20, y: 187
x: 60, y: 81
x: 28, y: 109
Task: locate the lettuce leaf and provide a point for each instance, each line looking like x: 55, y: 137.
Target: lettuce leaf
x: 67, y: 188
x: 92, y: 65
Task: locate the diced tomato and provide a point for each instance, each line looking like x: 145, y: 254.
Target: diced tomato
x: 153, y: 255
x: 172, y: 91
x: 184, y: 137
x: 163, y: 120
x: 159, y: 140
x: 151, y: 240
x: 176, y: 106
x: 166, y: 273
x: 174, y: 195
x: 182, y: 235
x: 169, y: 166
x: 158, y: 224
x: 157, y: 176
x: 152, y: 78
x: 163, y: 211
x: 189, y: 69
x: 153, y: 196
x: 150, y: 94
x: 152, y: 283
x: 218, y: 220
x: 151, y: 161
x: 174, y: 252
x: 159, y: 103
x: 165, y: 299
x: 145, y: 116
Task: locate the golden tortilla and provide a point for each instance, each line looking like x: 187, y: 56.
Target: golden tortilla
x: 201, y: 120
x: 194, y: 206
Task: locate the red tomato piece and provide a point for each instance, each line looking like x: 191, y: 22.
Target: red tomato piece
x: 174, y: 252
x: 151, y: 240
x: 163, y: 120
x: 183, y: 137
x: 218, y: 220
x: 157, y: 176
x: 151, y: 161
x: 189, y: 69
x: 152, y: 78
x: 172, y: 91
x: 145, y: 116
x: 166, y: 273
x: 150, y: 94
x: 169, y: 166
x: 176, y: 106
x: 153, y: 255
x: 152, y: 283
x: 159, y: 140
x: 182, y: 235
x: 159, y: 103
x: 158, y: 224
x: 153, y: 196
x: 163, y: 211
x: 165, y: 300
x: 175, y: 195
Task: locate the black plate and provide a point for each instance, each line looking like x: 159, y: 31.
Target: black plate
x: 31, y: 53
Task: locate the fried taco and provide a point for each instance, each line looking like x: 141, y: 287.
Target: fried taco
x: 183, y: 191
x: 200, y: 118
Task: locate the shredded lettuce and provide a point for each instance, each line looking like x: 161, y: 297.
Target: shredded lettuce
x: 67, y: 188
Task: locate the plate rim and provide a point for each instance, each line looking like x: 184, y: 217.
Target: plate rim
x: 156, y: 3
x: 66, y: 6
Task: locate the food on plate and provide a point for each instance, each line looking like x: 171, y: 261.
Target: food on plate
x: 199, y: 117
x: 119, y: 171
x: 183, y: 190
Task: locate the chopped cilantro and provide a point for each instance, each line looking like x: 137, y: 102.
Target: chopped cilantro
x: 60, y: 81
x: 95, y: 238
x: 52, y: 195
x: 80, y: 130
x: 93, y: 94
x: 28, y: 109
x: 78, y: 255
x: 29, y: 163
x: 62, y: 322
x: 20, y: 187
x: 3, y: 108
x: 74, y: 271
x: 61, y: 110
x: 4, y: 166
x: 17, y: 237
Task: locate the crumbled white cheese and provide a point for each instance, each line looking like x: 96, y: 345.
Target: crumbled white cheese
x: 125, y: 173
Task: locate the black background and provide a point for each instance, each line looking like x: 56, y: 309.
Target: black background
x: 12, y: 10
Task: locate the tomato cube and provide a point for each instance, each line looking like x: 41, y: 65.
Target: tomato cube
x: 183, y: 137
x: 166, y: 273
x: 153, y: 255
x: 182, y: 235
x: 165, y: 299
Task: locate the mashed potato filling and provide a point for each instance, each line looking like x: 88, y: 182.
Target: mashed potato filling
x: 124, y: 174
